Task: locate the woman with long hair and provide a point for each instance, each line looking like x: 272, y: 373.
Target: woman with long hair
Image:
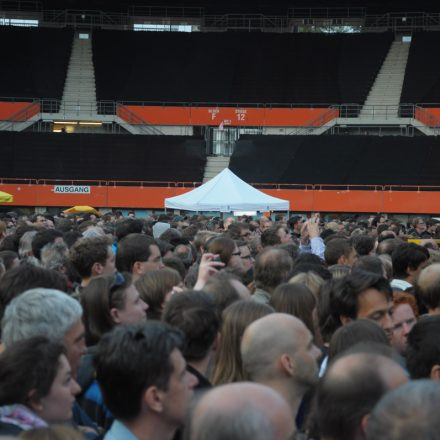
x: 236, y: 317
x: 156, y: 288
x: 295, y: 299
x: 110, y: 300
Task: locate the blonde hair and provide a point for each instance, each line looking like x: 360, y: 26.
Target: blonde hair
x: 309, y: 279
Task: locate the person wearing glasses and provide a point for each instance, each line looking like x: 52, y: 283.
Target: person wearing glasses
x: 108, y: 301
x: 419, y: 229
x: 228, y: 253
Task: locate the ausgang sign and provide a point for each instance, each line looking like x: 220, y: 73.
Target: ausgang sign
x: 71, y: 189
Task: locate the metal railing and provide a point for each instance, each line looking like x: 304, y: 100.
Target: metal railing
x: 386, y: 114
x: 371, y: 130
x: 20, y: 5
x: 330, y: 114
x: 347, y: 187
x: 254, y: 104
x: 281, y: 22
x: 186, y: 184
x: 21, y: 116
x: 326, y: 12
x: 81, y: 19
x: 101, y: 182
x: 247, y: 22
x: 428, y: 119
x: 132, y: 118
x: 72, y: 108
x: 347, y: 110
x: 377, y: 111
x: 403, y: 21
x: 166, y: 11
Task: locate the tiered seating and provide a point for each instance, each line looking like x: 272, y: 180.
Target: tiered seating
x: 34, y: 61
x: 93, y: 156
x: 353, y: 160
x: 237, y: 67
x: 422, y: 75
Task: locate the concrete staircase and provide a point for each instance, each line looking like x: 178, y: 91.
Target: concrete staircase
x: 79, y: 96
x: 386, y: 90
x: 214, y: 165
x: 314, y: 131
x: 138, y: 129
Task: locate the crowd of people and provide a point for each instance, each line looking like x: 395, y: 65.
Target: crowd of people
x: 208, y: 328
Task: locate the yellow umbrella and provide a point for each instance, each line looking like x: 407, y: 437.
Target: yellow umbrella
x: 6, y: 198
x: 81, y: 209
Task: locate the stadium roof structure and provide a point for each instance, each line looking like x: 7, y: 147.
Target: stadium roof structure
x: 226, y: 192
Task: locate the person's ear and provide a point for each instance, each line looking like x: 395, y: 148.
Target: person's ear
x: 364, y: 424
x: 216, y: 343
x: 137, y: 268
x: 435, y: 372
x: 287, y: 364
x: 114, y: 313
x: 97, y: 269
x: 34, y: 402
x: 153, y: 398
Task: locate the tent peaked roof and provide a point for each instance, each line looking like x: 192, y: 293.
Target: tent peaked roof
x: 226, y: 192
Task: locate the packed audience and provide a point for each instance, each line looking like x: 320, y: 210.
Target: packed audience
x: 210, y: 328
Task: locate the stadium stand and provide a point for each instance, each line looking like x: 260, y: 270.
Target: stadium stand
x: 34, y: 61
x: 355, y: 160
x: 237, y: 67
x: 422, y: 75
x: 95, y: 156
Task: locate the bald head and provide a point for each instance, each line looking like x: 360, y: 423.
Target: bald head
x: 387, y: 246
x: 428, y: 286
x: 242, y: 411
x: 388, y: 370
x: 288, y: 348
x: 272, y: 267
x: 340, y: 410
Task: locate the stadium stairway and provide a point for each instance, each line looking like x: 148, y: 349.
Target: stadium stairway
x: 214, y: 165
x: 79, y: 96
x: 387, y: 88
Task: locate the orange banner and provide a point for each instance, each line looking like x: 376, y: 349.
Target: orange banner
x: 405, y: 202
x: 428, y: 116
x: 18, y: 111
x: 228, y: 116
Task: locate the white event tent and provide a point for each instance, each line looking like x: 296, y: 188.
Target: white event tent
x: 225, y: 193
